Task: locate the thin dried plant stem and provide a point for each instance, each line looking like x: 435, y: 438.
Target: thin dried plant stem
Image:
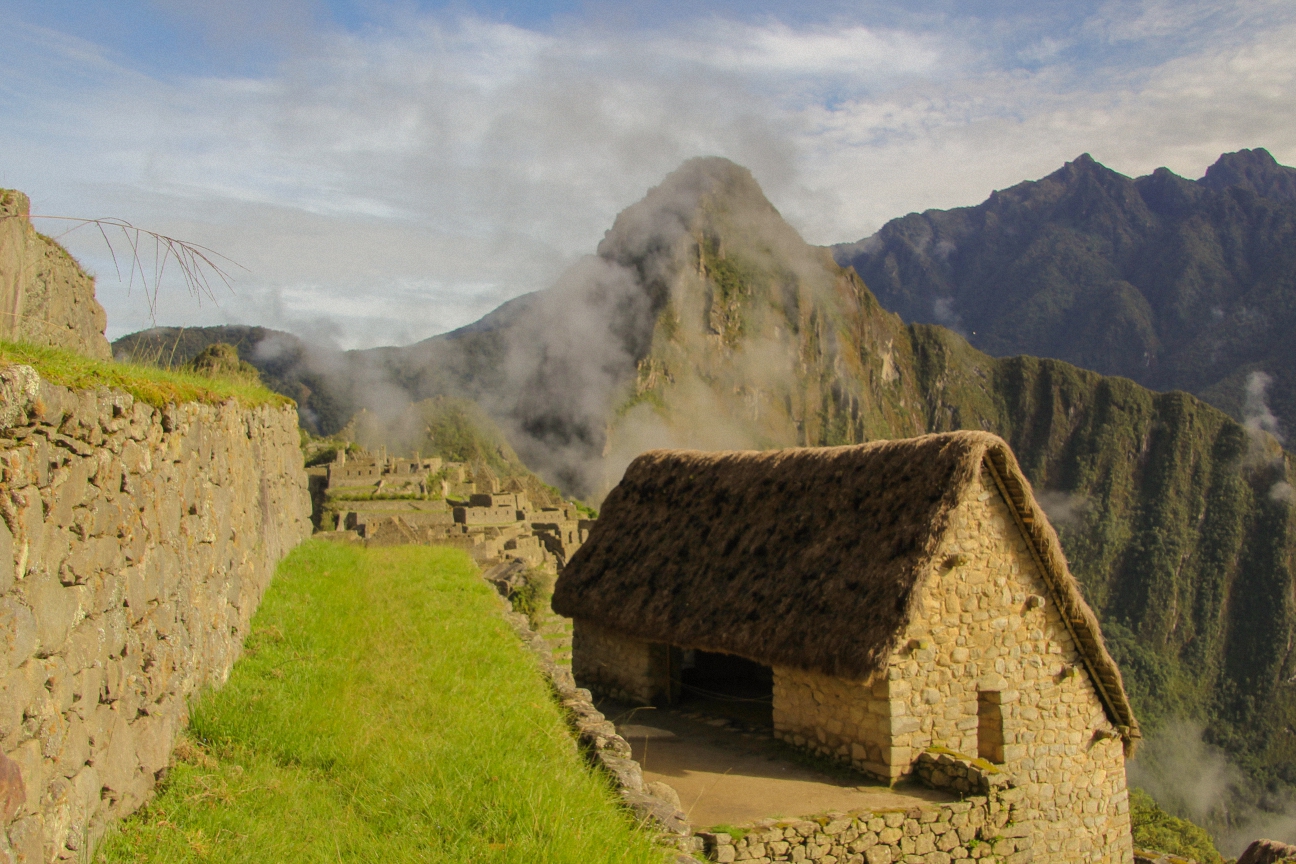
x: 201, y: 268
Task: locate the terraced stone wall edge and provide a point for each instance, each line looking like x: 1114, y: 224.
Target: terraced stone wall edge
x: 135, y: 545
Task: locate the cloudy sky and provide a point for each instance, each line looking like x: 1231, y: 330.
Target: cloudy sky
x: 386, y: 171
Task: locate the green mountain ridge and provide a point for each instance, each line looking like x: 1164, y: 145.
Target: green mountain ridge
x: 1177, y: 284
x: 706, y: 321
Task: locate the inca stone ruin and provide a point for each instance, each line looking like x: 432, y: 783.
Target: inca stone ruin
x: 384, y: 500
x: 914, y: 607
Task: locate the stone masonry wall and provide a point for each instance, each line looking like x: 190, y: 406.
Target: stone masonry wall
x: 981, y: 828
x: 45, y: 296
x: 987, y: 668
x: 627, y: 669
x: 135, y: 545
x: 988, y: 633
x: 841, y: 719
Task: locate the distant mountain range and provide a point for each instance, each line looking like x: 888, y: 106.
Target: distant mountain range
x: 705, y: 321
x: 1178, y: 284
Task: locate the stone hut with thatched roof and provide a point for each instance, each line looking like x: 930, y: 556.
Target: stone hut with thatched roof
x: 908, y: 597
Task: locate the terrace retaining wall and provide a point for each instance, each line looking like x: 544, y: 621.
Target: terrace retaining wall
x: 135, y: 544
x: 980, y: 828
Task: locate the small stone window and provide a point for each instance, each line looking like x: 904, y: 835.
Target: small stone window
x: 990, y: 734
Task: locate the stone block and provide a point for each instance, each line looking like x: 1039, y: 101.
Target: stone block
x: 26, y: 838
x: 905, y: 725
x: 117, y: 762
x: 35, y: 774
x: 898, y: 757
x: 879, y: 855
x: 59, y: 609
x: 6, y: 559
x: 19, y: 634
x: 13, y: 792
x: 153, y: 736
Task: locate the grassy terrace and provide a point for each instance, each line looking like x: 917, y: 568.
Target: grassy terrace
x: 382, y: 712
x: 149, y: 384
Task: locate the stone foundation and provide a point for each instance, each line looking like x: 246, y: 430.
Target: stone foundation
x: 957, y: 773
x: 981, y: 828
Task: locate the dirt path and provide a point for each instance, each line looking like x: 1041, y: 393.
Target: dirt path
x: 729, y: 777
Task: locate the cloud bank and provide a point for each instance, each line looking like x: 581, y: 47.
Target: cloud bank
x: 384, y: 183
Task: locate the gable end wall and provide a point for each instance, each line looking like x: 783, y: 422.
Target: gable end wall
x: 986, y: 624
x: 989, y: 624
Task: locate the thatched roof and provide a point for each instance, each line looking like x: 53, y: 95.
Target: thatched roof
x: 806, y: 557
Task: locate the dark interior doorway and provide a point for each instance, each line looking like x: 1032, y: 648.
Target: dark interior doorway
x: 727, y: 686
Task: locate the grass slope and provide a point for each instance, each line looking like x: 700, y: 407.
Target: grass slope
x: 382, y: 712
x: 149, y: 384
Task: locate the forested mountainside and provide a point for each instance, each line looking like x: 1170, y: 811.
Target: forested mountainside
x: 705, y: 321
x: 1178, y: 284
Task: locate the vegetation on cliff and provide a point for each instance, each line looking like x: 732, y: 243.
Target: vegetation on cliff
x: 382, y: 711
x: 1156, y: 829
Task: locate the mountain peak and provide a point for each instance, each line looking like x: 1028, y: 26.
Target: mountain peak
x: 672, y: 208
x: 1255, y: 170
x: 1085, y: 165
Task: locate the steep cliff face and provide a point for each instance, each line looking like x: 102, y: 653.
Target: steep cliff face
x: 45, y: 296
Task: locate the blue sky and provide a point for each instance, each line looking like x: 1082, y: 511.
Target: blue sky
x: 386, y: 171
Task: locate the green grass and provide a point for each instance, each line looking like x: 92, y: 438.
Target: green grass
x: 149, y: 384
x: 382, y: 712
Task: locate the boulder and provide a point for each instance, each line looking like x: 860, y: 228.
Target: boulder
x: 1267, y: 852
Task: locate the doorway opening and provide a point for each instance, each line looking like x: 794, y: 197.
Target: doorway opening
x: 727, y: 686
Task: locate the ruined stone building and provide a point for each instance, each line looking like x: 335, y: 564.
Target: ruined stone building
x: 380, y: 473
x: 387, y: 500
x: 908, y: 601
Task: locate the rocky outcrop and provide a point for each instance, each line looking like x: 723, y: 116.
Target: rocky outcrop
x: 45, y: 296
x: 1268, y: 852
x: 135, y: 544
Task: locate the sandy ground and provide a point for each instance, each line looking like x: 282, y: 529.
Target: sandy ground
x: 730, y: 777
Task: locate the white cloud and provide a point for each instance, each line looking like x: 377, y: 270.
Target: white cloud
x: 406, y: 179
x: 834, y: 53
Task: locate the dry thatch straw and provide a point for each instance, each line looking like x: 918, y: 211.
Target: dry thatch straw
x: 808, y: 557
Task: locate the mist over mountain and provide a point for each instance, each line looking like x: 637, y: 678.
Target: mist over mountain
x: 1178, y: 284
x: 705, y: 321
